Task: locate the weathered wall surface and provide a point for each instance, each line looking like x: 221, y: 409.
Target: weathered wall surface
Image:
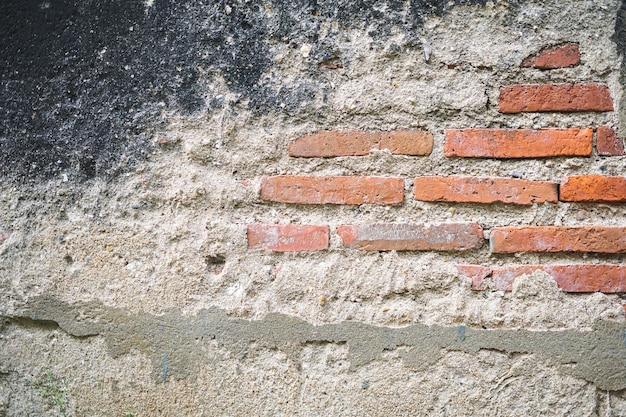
x: 157, y: 254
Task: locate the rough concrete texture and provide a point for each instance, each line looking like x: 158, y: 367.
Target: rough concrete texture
x: 133, y: 139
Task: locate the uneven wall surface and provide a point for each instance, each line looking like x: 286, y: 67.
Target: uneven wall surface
x: 312, y: 208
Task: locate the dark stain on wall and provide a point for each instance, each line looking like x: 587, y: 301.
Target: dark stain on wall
x: 619, y: 37
x: 83, y: 84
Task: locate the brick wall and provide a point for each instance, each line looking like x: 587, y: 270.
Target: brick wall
x: 471, y: 142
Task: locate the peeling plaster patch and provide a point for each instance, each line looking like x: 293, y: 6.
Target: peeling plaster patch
x: 598, y: 356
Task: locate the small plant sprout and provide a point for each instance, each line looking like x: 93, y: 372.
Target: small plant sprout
x: 54, y: 390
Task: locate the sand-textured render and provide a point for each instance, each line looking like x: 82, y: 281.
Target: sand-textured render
x: 133, y: 141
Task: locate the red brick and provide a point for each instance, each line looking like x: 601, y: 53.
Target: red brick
x: 440, y: 237
x: 288, y: 237
x: 332, y: 190
x: 558, y: 239
x: 476, y: 273
x: 484, y: 190
x: 608, y: 143
x: 593, y: 189
x: 555, y: 97
x: 569, y: 278
x: 333, y: 143
x: 559, y: 56
x: 518, y: 143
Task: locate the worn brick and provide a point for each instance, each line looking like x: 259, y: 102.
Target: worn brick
x: 484, y: 190
x: 288, y: 237
x: 518, y: 143
x: 570, y: 278
x: 393, y: 236
x: 593, y: 189
x: 558, y: 239
x: 608, y: 143
x: 555, y: 97
x: 559, y: 56
x: 334, y: 143
x: 332, y: 190
x: 477, y: 273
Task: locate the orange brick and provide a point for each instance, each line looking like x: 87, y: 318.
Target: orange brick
x: 392, y: 236
x: 484, y: 190
x: 555, y: 97
x: 287, y: 238
x: 569, y: 278
x: 560, y: 56
x: 476, y: 273
x: 593, y: 189
x: 558, y: 239
x: 333, y: 143
x: 332, y: 190
x: 608, y: 143
x: 518, y: 143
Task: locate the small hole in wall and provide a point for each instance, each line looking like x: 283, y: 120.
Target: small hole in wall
x: 215, y: 260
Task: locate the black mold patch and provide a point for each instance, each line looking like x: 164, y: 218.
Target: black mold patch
x: 619, y: 37
x: 84, y: 83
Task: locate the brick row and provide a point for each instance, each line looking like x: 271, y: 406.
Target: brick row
x: 468, y: 143
x: 605, y: 278
x: 440, y: 237
x: 379, y: 237
x: 299, y: 189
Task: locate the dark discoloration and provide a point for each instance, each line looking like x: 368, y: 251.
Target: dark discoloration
x: 619, y: 37
x: 174, y: 341
x: 83, y: 84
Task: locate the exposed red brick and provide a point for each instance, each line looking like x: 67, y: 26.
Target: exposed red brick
x: 333, y: 143
x: 569, y: 278
x: 484, y: 190
x: 476, y: 273
x: 558, y: 239
x: 608, y: 143
x: 559, y: 56
x: 332, y: 190
x: 392, y: 236
x: 555, y: 97
x: 287, y: 237
x: 593, y: 189
x: 518, y: 143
